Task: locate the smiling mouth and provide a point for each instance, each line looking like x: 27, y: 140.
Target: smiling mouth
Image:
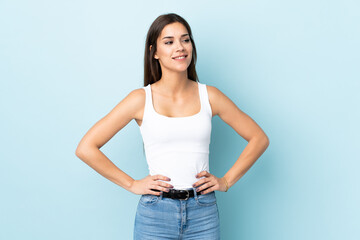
x: 179, y: 58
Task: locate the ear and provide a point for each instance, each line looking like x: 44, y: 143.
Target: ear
x: 156, y: 57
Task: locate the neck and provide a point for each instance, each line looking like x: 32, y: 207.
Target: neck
x: 174, y: 82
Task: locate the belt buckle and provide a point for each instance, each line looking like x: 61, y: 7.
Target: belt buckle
x: 188, y: 194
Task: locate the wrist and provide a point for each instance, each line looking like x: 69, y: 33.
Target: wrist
x: 226, y: 184
x: 131, y: 185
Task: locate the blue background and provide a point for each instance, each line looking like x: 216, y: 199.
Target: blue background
x: 293, y: 66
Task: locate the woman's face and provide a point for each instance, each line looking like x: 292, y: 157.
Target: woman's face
x: 174, y: 41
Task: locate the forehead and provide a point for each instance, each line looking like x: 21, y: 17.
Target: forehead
x: 173, y: 30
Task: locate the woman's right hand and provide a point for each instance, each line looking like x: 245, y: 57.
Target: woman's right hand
x: 144, y: 186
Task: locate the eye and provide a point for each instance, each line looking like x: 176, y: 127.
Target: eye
x: 169, y: 42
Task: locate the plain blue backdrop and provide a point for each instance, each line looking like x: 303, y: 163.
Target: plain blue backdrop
x: 293, y: 66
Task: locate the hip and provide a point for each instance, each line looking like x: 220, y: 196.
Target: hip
x: 157, y: 216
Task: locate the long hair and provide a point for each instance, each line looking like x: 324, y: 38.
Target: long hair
x: 152, y: 68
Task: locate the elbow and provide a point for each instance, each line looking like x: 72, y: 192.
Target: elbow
x: 266, y: 141
x: 79, y: 152
x: 83, y: 150
x: 263, y: 140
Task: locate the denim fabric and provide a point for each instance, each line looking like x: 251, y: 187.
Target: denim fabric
x: 196, y: 218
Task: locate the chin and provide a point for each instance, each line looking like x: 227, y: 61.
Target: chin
x: 181, y: 70
x: 178, y: 68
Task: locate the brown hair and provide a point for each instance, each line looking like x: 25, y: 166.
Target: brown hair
x: 152, y: 68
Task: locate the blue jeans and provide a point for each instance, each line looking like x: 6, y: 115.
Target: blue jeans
x: 159, y: 218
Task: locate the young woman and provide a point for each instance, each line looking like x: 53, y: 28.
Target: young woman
x: 174, y: 112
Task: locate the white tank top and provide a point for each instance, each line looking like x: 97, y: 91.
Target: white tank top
x: 177, y: 147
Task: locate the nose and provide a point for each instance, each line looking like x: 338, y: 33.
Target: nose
x: 179, y: 46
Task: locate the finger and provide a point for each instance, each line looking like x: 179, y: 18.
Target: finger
x: 160, y: 188
x: 208, y: 190
x: 162, y: 184
x: 204, y: 186
x: 201, y: 174
x: 168, y: 185
x: 160, y: 177
x: 154, y: 192
x: 200, y: 182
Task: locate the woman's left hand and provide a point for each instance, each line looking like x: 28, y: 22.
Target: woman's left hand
x: 209, y: 182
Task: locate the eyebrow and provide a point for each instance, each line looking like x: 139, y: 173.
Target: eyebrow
x: 173, y: 37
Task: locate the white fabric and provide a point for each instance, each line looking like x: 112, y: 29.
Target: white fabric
x: 177, y: 147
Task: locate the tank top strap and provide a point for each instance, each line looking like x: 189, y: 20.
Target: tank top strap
x: 205, y: 99
x: 148, y: 95
x: 148, y: 104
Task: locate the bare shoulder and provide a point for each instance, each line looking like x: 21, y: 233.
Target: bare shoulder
x: 136, y: 102
x: 214, y: 96
x: 221, y: 104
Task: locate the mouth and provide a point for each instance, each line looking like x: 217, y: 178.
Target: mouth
x: 181, y: 57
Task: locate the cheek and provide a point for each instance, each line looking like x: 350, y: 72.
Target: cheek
x: 163, y: 52
x: 190, y: 51
x: 190, y: 56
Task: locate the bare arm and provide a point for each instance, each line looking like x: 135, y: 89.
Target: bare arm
x: 88, y: 149
x: 245, y: 127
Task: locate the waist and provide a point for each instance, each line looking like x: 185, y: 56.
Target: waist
x: 180, y: 167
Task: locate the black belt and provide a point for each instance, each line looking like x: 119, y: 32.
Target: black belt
x: 183, y: 194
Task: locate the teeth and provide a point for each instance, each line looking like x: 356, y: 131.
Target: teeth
x: 180, y: 57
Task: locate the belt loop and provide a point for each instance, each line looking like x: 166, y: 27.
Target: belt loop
x: 195, y: 193
x: 161, y: 195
